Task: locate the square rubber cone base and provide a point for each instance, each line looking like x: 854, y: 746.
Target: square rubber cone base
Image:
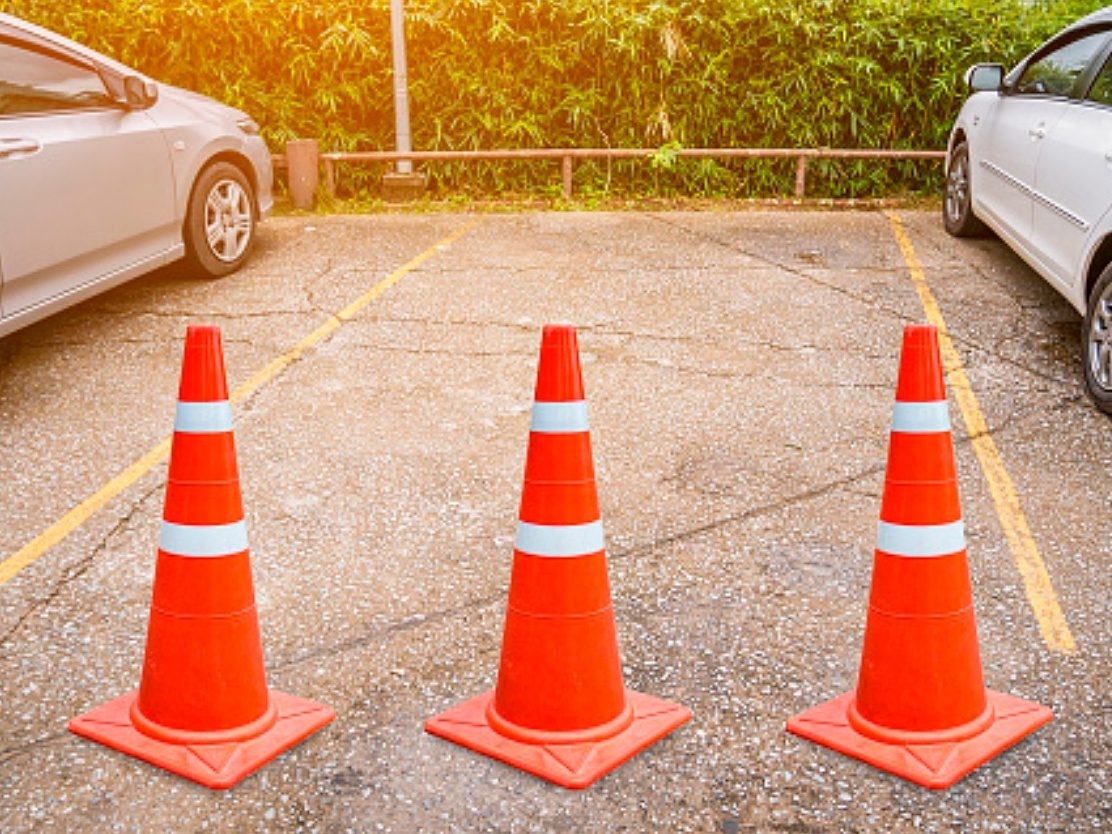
x: 212, y: 765
x: 568, y: 765
x: 933, y: 766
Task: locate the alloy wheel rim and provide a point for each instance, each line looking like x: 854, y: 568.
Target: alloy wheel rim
x: 1100, y: 341
x: 228, y: 220
x: 957, y: 190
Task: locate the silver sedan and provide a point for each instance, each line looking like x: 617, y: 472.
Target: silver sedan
x: 106, y: 174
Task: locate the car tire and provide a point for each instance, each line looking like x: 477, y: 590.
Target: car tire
x: 220, y: 222
x: 1096, y: 343
x: 957, y: 202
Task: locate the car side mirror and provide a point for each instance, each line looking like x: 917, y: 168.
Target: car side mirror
x: 139, y: 93
x: 984, y: 78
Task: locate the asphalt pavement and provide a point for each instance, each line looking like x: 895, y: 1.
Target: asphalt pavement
x: 740, y: 372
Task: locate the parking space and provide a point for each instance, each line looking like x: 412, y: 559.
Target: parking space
x: 739, y: 369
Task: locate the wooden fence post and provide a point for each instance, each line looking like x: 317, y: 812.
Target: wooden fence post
x: 303, y: 170
x: 566, y: 170
x: 800, y: 177
x: 329, y: 175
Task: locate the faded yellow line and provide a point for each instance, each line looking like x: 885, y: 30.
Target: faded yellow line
x: 73, y: 519
x: 82, y: 512
x: 1036, y: 579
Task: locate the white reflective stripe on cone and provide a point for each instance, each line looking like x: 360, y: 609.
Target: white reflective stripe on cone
x: 203, y: 540
x: 559, y: 418
x: 203, y: 418
x: 921, y: 418
x: 559, y: 540
x: 921, y: 539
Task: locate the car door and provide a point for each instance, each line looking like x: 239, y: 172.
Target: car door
x: 1012, y: 139
x: 85, y: 183
x: 1004, y: 155
x: 1073, y: 181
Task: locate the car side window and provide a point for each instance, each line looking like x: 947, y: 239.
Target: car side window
x: 1101, y: 91
x: 33, y: 82
x: 1055, y: 73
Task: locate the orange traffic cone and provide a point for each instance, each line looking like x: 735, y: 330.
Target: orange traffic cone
x: 203, y: 710
x: 560, y: 710
x: 921, y: 710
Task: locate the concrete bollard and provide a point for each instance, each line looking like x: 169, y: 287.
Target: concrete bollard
x: 303, y: 168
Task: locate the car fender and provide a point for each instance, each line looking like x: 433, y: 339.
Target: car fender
x: 218, y: 148
x: 191, y: 154
x: 976, y: 110
x: 198, y: 130
x: 1098, y: 254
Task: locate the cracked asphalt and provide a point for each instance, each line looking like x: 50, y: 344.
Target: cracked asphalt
x: 740, y: 370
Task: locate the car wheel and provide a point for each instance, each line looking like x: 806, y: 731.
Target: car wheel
x: 1096, y: 343
x: 957, y: 204
x: 220, y: 222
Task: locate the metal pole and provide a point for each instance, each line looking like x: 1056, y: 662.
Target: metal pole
x: 401, y: 85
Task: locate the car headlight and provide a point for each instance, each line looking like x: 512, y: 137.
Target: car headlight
x: 248, y: 126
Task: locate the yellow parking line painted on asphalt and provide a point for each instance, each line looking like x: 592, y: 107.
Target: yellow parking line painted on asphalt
x: 1040, y: 591
x: 58, y: 531
x: 82, y: 512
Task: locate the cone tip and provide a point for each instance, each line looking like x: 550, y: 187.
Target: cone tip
x: 559, y: 332
x: 559, y: 377
x: 920, y: 375
x: 203, y: 378
x: 920, y: 334
x: 198, y: 331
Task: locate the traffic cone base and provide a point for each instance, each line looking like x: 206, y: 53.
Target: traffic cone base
x: 573, y: 759
x: 214, y: 759
x: 934, y: 760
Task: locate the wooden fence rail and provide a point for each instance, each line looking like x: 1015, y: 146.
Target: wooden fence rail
x: 567, y: 158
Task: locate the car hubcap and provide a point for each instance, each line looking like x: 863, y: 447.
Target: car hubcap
x: 1100, y: 341
x: 228, y: 220
x: 957, y: 190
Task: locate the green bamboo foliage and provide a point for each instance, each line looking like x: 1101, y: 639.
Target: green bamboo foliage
x: 586, y: 73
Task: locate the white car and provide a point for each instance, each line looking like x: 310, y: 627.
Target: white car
x: 106, y: 174
x: 1030, y: 157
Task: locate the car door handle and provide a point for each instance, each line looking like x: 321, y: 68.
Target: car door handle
x: 10, y: 148
x: 1038, y: 132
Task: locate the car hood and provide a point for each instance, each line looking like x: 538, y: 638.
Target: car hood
x: 200, y: 103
